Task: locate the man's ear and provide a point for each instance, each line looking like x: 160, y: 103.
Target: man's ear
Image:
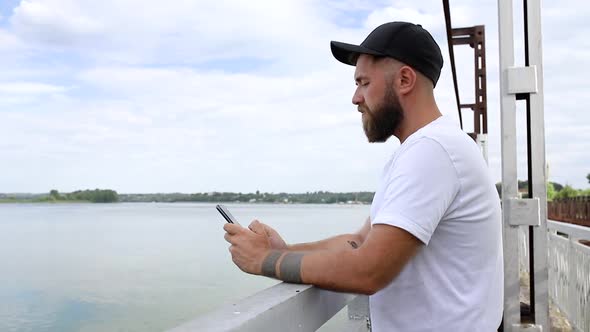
x: 406, y: 80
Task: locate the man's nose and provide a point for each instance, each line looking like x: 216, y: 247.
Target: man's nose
x: 357, y: 98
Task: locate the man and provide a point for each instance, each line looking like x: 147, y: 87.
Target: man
x: 430, y: 255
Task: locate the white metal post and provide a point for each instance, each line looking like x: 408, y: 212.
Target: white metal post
x: 539, y: 179
x: 517, y: 212
x: 509, y: 180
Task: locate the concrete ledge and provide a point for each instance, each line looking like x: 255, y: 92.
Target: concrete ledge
x: 283, y: 307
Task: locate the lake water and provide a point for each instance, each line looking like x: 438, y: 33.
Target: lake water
x: 136, y: 266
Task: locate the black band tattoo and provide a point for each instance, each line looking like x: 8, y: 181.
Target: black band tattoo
x: 291, y: 267
x: 353, y: 244
x: 269, y: 264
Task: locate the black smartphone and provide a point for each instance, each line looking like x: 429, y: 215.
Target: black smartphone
x: 226, y: 215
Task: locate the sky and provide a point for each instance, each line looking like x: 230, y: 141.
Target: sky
x: 199, y: 96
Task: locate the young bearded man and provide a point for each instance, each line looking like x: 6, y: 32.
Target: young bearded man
x: 430, y: 254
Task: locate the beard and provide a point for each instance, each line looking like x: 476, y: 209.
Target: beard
x: 381, y: 122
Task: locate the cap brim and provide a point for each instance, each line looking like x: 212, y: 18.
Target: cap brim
x: 349, y: 53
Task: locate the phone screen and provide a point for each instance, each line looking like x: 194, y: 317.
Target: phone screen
x: 226, y: 214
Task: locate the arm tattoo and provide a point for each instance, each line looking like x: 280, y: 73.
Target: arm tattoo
x: 290, y: 267
x: 269, y: 264
x: 353, y: 244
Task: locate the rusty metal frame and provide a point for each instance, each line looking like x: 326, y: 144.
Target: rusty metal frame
x: 475, y: 38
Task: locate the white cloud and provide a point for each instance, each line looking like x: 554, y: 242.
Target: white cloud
x: 9, y: 42
x: 182, y: 32
x: 29, y: 88
x: 429, y: 20
x: 60, y: 22
x: 16, y: 94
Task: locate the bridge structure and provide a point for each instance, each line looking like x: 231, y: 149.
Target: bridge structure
x: 546, y: 262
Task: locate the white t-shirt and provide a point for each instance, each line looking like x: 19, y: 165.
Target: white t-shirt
x: 437, y: 187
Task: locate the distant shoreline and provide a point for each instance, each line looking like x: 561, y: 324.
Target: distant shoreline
x: 6, y: 201
x: 110, y: 196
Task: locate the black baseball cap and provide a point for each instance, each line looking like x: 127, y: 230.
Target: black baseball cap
x: 403, y: 41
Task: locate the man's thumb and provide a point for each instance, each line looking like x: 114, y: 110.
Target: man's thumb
x: 257, y: 227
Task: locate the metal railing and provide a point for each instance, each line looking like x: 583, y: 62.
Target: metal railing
x: 285, y: 307
x: 569, y: 270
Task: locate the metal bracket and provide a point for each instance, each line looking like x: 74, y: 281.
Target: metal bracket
x: 521, y: 80
x: 523, y: 211
x: 526, y: 328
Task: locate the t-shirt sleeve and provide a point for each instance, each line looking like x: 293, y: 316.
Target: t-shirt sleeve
x: 420, y: 186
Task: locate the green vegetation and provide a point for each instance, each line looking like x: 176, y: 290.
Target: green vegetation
x: 551, y: 192
x: 567, y: 192
x: 109, y: 196
x: 94, y: 196
x: 20, y: 198
x: 258, y: 197
x: 12, y: 200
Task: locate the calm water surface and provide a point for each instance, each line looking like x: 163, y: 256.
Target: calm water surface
x: 135, y: 267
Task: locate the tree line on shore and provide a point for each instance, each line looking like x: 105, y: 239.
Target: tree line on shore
x: 54, y: 196
x: 111, y: 196
x: 320, y: 197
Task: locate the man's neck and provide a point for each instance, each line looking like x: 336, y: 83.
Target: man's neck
x: 416, y: 118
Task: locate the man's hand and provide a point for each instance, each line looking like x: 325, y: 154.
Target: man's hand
x: 276, y: 241
x: 249, y: 247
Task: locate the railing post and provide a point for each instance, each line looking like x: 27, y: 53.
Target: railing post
x: 571, y: 273
x: 509, y: 184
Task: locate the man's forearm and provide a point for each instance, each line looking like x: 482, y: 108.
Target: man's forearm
x: 365, y: 270
x: 345, y: 241
x: 302, y: 267
x: 351, y: 271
